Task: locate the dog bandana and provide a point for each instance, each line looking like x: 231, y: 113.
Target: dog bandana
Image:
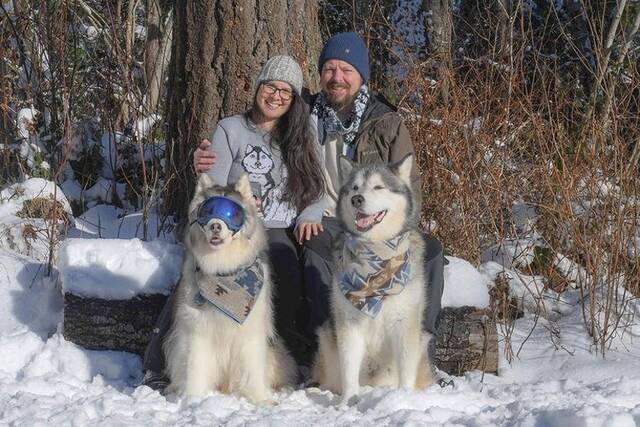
x: 374, y: 270
x: 329, y: 122
x: 234, y: 294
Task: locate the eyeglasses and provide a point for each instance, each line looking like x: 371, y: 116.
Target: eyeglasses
x: 270, y: 89
x: 219, y: 207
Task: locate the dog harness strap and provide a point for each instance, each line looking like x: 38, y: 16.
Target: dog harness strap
x: 233, y: 294
x: 374, y: 270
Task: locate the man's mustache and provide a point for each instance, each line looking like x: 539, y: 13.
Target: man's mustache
x: 338, y: 86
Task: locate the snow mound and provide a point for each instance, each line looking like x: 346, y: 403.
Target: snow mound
x: 26, y: 235
x: 109, y: 222
x: 464, y: 285
x: 12, y: 198
x: 30, y: 301
x: 118, y: 269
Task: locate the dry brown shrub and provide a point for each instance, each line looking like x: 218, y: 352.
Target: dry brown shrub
x: 504, y: 306
x: 52, y: 211
x: 512, y: 135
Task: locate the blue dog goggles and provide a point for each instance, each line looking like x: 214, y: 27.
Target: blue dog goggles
x: 219, y: 207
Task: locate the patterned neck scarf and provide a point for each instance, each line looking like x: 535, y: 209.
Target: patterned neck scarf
x: 329, y: 122
x: 234, y: 294
x: 374, y: 270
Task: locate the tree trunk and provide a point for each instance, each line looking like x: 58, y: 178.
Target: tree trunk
x: 440, y: 31
x: 217, y: 51
x: 156, y: 52
x: 505, y: 29
x: 7, y: 134
x: 125, y: 63
x: 580, y: 30
x: 629, y: 36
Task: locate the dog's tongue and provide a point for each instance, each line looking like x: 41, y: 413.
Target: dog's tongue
x: 364, y: 221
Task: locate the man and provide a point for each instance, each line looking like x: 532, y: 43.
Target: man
x: 351, y: 121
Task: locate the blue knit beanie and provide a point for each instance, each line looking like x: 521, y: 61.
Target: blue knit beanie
x: 348, y: 47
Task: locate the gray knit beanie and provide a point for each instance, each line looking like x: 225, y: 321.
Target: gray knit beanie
x: 283, y: 68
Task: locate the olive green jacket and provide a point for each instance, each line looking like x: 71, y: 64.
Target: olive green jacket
x: 382, y: 138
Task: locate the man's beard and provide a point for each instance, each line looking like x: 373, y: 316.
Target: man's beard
x: 339, y: 104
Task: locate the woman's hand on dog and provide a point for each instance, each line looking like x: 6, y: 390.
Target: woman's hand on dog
x: 203, y: 159
x: 308, y: 229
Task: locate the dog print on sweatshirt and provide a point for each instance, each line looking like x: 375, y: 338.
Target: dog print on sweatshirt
x: 259, y: 164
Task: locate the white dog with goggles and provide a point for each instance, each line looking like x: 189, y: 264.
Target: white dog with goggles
x: 222, y: 337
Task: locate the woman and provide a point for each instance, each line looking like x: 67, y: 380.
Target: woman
x: 271, y: 142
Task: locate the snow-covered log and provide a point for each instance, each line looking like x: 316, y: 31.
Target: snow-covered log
x: 114, y: 290
x: 467, y: 336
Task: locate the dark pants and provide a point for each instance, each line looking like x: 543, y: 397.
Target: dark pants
x: 288, y: 288
x: 287, y: 296
x: 318, y: 269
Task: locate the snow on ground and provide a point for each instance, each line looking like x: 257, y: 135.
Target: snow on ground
x: 110, y: 222
x: 44, y: 380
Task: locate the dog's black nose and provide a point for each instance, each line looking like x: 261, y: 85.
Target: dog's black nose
x: 357, y: 201
x: 216, y: 228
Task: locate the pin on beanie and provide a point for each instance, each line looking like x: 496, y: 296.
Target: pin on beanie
x: 348, y: 47
x: 283, y: 68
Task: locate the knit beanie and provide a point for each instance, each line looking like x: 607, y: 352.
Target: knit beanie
x: 348, y: 47
x: 283, y: 68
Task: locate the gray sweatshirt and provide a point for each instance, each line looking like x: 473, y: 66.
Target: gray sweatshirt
x: 243, y: 147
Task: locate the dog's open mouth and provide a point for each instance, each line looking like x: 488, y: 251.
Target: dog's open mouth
x: 364, y: 222
x: 215, y: 241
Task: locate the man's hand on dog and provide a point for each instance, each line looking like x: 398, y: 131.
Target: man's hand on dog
x: 308, y: 229
x: 203, y: 159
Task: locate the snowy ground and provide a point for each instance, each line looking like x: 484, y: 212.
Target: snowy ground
x: 555, y: 380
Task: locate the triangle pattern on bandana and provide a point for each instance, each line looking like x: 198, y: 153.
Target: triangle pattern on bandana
x: 372, y: 271
x: 235, y: 294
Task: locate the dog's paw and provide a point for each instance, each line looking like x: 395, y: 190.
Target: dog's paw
x: 268, y: 402
x: 348, y: 401
x: 263, y: 399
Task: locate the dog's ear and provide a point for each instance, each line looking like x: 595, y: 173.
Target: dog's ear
x: 346, y: 166
x: 243, y: 186
x: 402, y: 169
x: 204, y: 182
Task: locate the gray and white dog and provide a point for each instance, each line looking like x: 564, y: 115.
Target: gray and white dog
x: 378, y: 291
x: 222, y: 337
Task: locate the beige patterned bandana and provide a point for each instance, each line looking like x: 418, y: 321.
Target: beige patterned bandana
x: 234, y: 294
x: 374, y: 270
